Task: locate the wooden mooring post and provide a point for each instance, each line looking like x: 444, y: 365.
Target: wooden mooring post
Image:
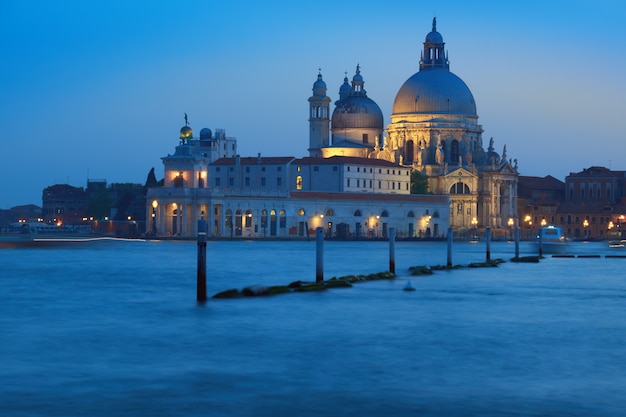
x: 201, y: 286
x: 488, y: 239
x: 319, y: 255
x: 392, y: 250
x: 449, y: 262
x: 517, y: 242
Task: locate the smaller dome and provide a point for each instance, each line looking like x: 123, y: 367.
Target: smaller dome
x: 319, y: 83
x: 206, y: 134
x: 319, y: 87
x: 358, y: 78
x: 434, y: 37
x: 186, y: 132
x: 344, y: 90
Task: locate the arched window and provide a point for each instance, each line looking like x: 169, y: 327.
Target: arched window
x: 454, y: 151
x: 282, y: 219
x: 408, y: 152
x: 435, y: 214
x: 357, y: 213
x: 229, y: 219
x: 384, y: 214
x: 264, y: 218
x: 330, y: 212
x: 299, y: 182
x: 248, y: 221
x: 410, y: 214
x: 459, y: 188
x: 301, y: 212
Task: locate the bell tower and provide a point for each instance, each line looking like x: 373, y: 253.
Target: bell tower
x: 319, y: 117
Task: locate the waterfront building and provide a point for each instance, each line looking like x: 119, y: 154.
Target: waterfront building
x: 288, y: 197
x: 539, y: 199
x: 595, y: 203
x: 434, y: 130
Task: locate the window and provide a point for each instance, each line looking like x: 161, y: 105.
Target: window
x: 348, y: 182
x: 280, y: 169
x: 380, y: 185
x: 279, y: 181
x: 357, y: 213
x: 248, y: 219
x: 365, y: 138
x: 217, y: 169
x: 330, y: 212
x: 263, y: 181
x: 348, y: 169
x: 299, y: 169
x: 217, y: 181
x: 231, y: 181
x: 264, y: 218
x: 247, y: 169
x: 299, y: 182
x: 410, y: 214
x: 262, y: 169
x: 283, y: 219
x: 301, y: 212
x: 384, y: 214
x: 358, y: 183
x: 335, y: 168
x: 459, y: 188
x: 316, y: 169
x: 247, y: 181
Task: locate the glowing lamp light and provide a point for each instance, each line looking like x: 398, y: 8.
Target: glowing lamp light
x: 510, y: 222
x: 155, y: 204
x: 543, y: 222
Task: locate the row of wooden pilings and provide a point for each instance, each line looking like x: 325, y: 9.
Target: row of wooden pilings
x: 319, y: 254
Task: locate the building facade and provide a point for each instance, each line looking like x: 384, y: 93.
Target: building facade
x: 288, y: 197
x: 434, y: 129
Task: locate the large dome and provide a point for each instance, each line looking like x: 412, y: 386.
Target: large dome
x: 357, y: 112
x: 436, y: 91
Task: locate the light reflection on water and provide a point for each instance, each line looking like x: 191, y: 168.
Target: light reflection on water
x: 114, y: 330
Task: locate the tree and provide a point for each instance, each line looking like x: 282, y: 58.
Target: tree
x: 419, y: 183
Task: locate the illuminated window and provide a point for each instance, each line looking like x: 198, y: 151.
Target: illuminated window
x: 299, y: 182
x: 301, y: 212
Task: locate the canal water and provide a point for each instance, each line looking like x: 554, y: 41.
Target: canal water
x: 113, y: 329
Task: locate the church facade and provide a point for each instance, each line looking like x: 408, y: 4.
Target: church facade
x: 434, y: 130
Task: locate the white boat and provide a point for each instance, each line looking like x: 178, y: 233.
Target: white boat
x: 551, y: 239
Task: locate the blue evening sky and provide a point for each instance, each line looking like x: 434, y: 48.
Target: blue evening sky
x: 98, y: 89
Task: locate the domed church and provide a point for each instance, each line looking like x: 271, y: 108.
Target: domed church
x: 434, y: 130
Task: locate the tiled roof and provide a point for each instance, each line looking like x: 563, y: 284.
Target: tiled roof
x: 418, y: 198
x: 253, y: 160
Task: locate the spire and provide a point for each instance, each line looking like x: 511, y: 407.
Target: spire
x: 434, y: 54
x: 357, y: 82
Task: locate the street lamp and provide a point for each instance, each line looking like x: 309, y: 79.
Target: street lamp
x: 585, y: 225
x: 510, y: 223
x: 155, y: 204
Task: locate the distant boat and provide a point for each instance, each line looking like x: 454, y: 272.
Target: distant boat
x: 409, y: 286
x: 58, y: 241
x: 552, y: 240
x: 615, y: 239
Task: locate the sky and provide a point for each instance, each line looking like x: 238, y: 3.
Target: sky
x: 99, y: 89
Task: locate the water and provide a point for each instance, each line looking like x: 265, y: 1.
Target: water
x: 114, y: 330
